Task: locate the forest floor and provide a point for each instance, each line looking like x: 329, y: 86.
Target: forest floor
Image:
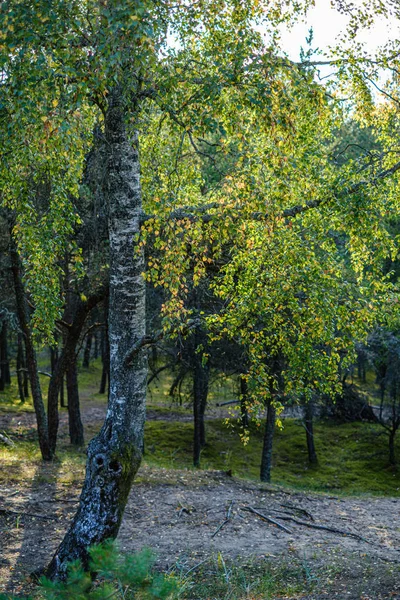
x: 198, y: 521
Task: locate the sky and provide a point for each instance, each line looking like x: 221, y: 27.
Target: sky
x: 327, y: 23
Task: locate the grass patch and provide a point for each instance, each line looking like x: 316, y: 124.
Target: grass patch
x: 352, y: 457
x: 253, y: 579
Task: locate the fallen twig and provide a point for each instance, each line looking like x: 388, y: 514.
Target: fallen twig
x: 220, y: 527
x: 228, y: 518
x: 269, y: 519
x: 300, y: 510
x: 7, y: 511
x: 325, y: 528
x: 5, y: 440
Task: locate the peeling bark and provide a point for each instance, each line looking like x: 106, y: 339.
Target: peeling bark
x: 114, y: 455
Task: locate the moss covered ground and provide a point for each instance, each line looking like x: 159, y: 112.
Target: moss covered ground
x: 353, y: 457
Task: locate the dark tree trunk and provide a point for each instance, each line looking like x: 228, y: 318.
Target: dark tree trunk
x: 266, y: 457
x: 392, y: 453
x: 87, y: 351
x: 201, y: 375
x: 96, y: 345
x: 62, y: 394
x: 5, y: 359
x: 53, y: 357
x: 74, y: 414
x: 80, y: 312
x: 114, y: 455
x: 2, y: 360
x: 26, y: 382
x: 5, y: 377
x: 20, y: 368
x: 309, y: 426
x: 243, y: 402
x: 31, y: 362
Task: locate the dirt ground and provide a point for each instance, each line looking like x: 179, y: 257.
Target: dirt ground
x: 188, y: 516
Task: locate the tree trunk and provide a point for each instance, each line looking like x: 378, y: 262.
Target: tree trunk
x: 105, y: 353
x: 5, y: 363
x: 309, y: 425
x: 62, y: 395
x: 243, y: 402
x: 31, y: 362
x: 96, y: 345
x: 201, y: 374
x: 2, y: 360
x: 74, y: 414
x: 266, y: 458
x: 392, y: 454
x: 86, y: 352
x: 114, y: 455
x: 20, y: 367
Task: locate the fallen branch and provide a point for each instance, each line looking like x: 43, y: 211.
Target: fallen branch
x: 265, y: 518
x: 5, y: 440
x: 7, y: 511
x: 228, y: 518
x: 300, y: 510
x: 326, y: 528
x: 45, y: 373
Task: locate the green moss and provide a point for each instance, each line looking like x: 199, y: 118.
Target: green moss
x: 352, y: 457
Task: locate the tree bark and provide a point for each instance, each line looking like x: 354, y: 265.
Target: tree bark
x: 266, y: 458
x: 114, y: 455
x: 243, y: 402
x: 2, y: 360
x: 31, y: 362
x: 5, y: 363
x: 96, y: 345
x: 105, y: 353
x: 201, y: 375
x: 392, y: 453
x: 74, y: 414
x: 20, y: 367
x: 309, y: 426
x: 87, y: 351
x: 76, y: 317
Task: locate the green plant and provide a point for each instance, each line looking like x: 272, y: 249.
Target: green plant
x: 111, y: 575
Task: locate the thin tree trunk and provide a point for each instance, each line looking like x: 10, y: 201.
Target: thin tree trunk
x: 2, y: 360
x: 392, y: 454
x: 114, y: 455
x: 96, y: 345
x: 20, y: 367
x: 62, y: 394
x: 74, y: 415
x: 266, y: 458
x: 5, y: 363
x: 86, y: 352
x: 243, y: 402
x: 309, y: 426
x: 201, y: 374
x: 31, y: 362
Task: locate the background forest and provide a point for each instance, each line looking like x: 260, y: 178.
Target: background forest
x: 190, y: 215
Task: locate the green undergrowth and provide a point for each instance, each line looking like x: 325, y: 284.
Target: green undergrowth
x: 257, y: 579
x: 352, y: 457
